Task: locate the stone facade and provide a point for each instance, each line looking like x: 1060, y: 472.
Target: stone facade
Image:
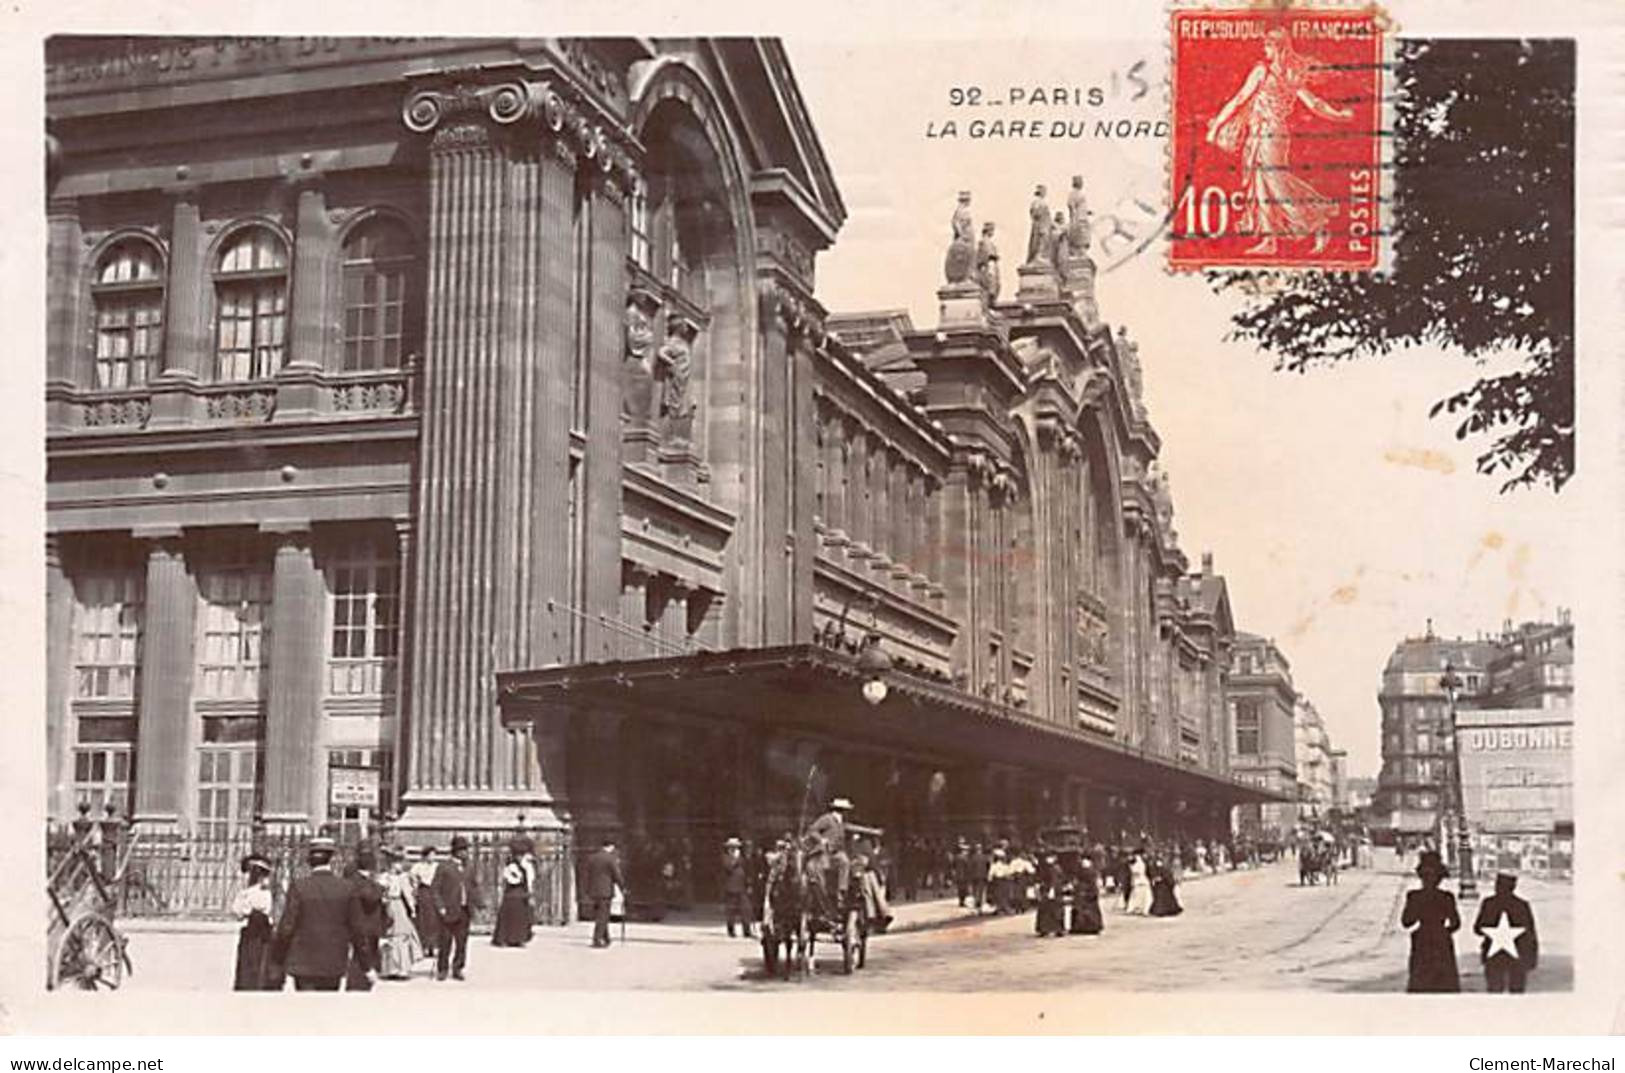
x: 1262, y: 717
x: 384, y: 370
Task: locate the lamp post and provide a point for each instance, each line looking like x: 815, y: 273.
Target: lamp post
x: 1467, y: 883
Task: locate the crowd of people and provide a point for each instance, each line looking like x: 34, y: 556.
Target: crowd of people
x: 387, y: 914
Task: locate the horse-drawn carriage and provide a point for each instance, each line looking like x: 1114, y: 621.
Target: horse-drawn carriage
x: 84, y: 949
x: 1317, y: 860
x: 798, y: 907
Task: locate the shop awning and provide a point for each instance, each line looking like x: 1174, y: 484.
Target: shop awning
x: 816, y: 689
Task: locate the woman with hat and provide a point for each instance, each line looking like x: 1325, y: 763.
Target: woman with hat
x: 401, y: 947
x: 252, y: 906
x: 1430, y: 914
x: 514, y: 923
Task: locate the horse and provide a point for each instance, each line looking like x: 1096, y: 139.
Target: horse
x: 785, y: 938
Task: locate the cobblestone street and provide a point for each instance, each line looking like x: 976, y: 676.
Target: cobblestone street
x: 1241, y: 931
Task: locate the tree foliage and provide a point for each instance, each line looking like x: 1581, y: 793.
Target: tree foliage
x: 1483, y: 257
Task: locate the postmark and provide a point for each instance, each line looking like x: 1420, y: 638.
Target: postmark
x: 1276, y: 143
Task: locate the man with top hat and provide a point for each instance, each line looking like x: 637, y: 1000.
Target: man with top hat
x: 1508, y: 945
x: 603, y: 877
x: 455, y: 899
x: 827, y: 852
x: 321, y: 925
x: 735, y: 887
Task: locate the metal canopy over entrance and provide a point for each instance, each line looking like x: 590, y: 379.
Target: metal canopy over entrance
x: 813, y: 689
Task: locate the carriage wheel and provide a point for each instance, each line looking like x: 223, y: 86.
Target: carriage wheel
x: 90, y: 957
x: 849, y: 938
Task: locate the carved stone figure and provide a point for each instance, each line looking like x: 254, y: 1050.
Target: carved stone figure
x: 987, y: 263
x: 637, y: 375
x: 962, y: 246
x: 1128, y: 354
x: 1077, y: 227
x: 676, y: 367
x: 1057, y: 239
x: 1038, y: 240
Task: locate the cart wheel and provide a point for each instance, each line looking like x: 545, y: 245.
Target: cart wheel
x: 849, y: 939
x: 90, y: 957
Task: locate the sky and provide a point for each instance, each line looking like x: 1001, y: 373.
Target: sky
x: 1342, y: 517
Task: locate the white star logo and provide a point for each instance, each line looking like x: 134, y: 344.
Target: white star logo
x: 1503, y: 937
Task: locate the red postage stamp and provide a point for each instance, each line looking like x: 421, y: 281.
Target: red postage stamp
x: 1276, y: 141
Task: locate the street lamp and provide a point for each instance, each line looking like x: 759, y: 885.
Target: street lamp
x: 1467, y: 883
x: 873, y: 663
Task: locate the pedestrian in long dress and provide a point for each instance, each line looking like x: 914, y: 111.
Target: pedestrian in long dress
x: 427, y: 916
x: 514, y: 923
x: 1139, y: 886
x: 1430, y: 914
x: 252, y: 906
x: 1086, y: 916
x: 1164, y: 903
x: 401, y: 947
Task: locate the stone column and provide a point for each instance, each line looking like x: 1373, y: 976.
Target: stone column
x: 494, y: 451
x: 294, y: 793
x: 407, y: 619
x: 836, y: 524
x: 164, y: 731
x: 857, y: 487
x: 59, y: 726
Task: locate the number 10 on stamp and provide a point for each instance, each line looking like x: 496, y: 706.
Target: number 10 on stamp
x: 1276, y: 144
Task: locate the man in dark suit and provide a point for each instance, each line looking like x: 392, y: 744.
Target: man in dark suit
x: 455, y: 898
x: 603, y: 876
x: 369, y: 895
x: 321, y: 925
x: 735, y: 887
x: 1508, y: 944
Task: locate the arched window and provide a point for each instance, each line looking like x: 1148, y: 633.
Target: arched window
x: 251, y: 300
x: 379, y: 307
x: 129, y: 296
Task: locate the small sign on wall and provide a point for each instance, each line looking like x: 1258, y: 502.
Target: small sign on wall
x: 353, y: 787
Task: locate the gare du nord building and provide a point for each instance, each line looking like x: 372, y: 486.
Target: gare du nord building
x: 454, y: 422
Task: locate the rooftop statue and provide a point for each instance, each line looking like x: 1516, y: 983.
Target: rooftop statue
x: 961, y: 259
x: 987, y: 263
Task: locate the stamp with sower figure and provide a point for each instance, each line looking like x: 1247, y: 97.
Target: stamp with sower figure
x: 1276, y: 142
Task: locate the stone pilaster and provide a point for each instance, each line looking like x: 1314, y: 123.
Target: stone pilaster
x: 298, y: 393
x: 188, y: 356
x: 776, y: 418
x: 59, y: 727
x: 803, y: 472
x: 293, y: 787
x: 635, y: 580
x: 164, y: 728
x: 66, y: 358
x: 601, y: 551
